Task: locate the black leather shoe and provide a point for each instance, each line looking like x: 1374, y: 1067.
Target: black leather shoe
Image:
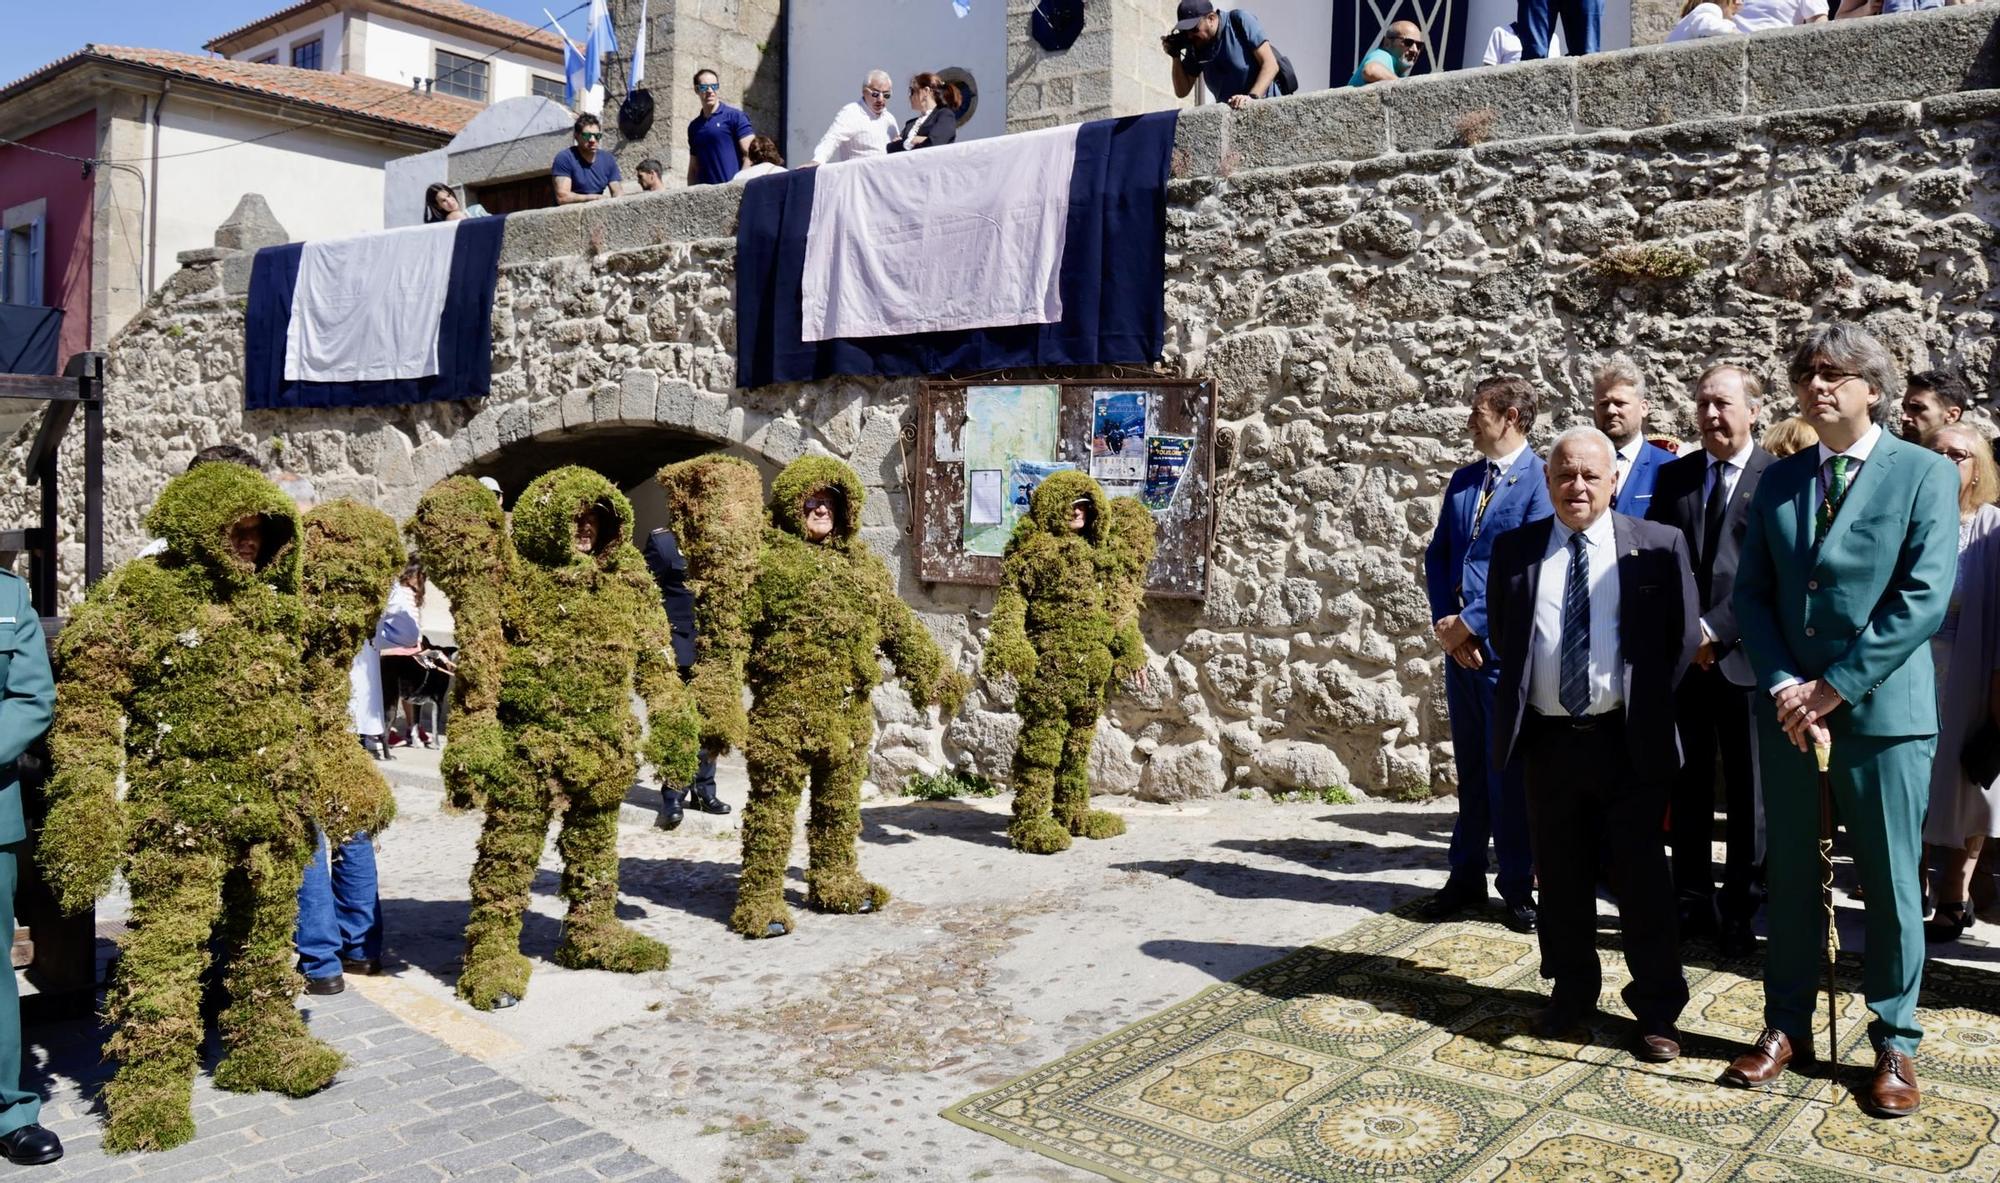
x: 1556, y: 1020
x: 367, y: 967
x: 31, y: 1146
x: 707, y: 804
x: 1699, y: 919
x: 1519, y: 915
x: 670, y: 810
x: 333, y: 985
x: 1457, y: 895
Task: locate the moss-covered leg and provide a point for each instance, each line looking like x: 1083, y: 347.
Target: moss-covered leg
x: 592, y: 936
x: 833, y: 828
x: 1073, y: 809
x: 154, y: 1008
x: 495, y: 974
x: 775, y: 780
x: 1034, y: 828
x: 266, y: 1041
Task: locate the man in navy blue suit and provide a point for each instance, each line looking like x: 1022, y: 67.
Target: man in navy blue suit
x: 1618, y: 405
x: 1484, y: 500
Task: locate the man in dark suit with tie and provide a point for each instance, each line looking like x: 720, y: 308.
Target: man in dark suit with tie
x: 1483, y: 500
x: 1846, y: 572
x: 1706, y: 496
x: 1618, y: 406
x: 1594, y: 618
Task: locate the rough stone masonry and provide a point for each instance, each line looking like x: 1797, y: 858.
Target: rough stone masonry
x: 1344, y: 264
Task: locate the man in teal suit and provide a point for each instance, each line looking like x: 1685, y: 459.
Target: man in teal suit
x: 27, y: 699
x: 1846, y: 571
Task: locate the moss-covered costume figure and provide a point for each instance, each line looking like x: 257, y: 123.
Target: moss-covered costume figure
x: 559, y: 625
x: 1066, y: 623
x: 817, y: 605
x: 186, y: 673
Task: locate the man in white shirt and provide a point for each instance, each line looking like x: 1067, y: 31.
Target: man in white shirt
x: 1593, y: 619
x: 1503, y: 46
x: 862, y: 128
x: 1757, y: 15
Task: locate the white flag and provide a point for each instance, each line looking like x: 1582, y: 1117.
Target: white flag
x: 639, y: 51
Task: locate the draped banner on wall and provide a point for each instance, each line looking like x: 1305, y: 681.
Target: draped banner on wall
x: 1358, y: 26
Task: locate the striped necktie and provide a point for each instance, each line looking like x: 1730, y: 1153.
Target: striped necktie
x: 1574, y: 688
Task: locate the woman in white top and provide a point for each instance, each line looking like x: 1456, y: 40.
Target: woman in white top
x: 1706, y: 18
x: 764, y: 159
x: 397, y: 629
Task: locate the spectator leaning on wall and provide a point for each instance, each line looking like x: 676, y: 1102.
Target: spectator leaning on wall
x: 1705, y: 18
x: 1757, y: 15
x: 861, y: 128
x: 581, y: 172
x: 718, y: 138
x: 1402, y: 46
x: 1229, y: 54
x: 1503, y: 45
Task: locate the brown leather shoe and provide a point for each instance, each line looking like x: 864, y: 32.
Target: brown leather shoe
x: 1893, y: 1092
x: 1658, y: 1045
x: 1763, y: 1063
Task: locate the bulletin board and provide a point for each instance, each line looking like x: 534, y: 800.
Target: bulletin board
x: 981, y: 446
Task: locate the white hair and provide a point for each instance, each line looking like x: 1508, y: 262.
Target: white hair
x: 887, y: 82
x: 1585, y: 432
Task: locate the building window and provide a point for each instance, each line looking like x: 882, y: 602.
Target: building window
x: 306, y: 56
x: 546, y: 88
x: 461, y: 75
x: 21, y: 263
x: 269, y: 59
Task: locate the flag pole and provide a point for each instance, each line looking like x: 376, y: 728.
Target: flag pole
x: 1823, y: 756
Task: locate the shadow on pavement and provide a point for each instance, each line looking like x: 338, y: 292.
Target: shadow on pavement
x: 430, y: 934
x: 1338, y: 856
x: 699, y: 888
x: 1238, y: 882
x: 951, y: 819
x: 1220, y: 959
x: 1407, y: 823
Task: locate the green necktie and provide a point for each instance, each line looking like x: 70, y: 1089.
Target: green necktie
x: 1836, y: 489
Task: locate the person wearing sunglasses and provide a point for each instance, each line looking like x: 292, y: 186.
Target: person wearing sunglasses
x: 719, y: 137
x: 1401, y: 48
x: 862, y: 128
x: 581, y: 172
x: 936, y: 122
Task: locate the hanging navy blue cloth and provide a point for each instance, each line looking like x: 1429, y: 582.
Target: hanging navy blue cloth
x: 465, y: 331
x: 1113, y: 276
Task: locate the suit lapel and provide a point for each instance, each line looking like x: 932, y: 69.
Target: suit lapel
x: 1626, y: 558
x: 1861, y: 490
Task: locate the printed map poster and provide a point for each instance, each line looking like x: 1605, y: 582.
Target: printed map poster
x: 1117, y: 435
x: 1166, y: 462
x: 1003, y: 426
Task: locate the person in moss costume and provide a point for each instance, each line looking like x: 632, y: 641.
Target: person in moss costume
x: 817, y: 605
x: 187, y: 672
x: 1066, y: 622
x: 559, y: 624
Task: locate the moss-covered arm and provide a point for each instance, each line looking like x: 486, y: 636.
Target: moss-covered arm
x: 83, y: 840
x: 1008, y: 650
x: 673, y: 727
x: 459, y: 532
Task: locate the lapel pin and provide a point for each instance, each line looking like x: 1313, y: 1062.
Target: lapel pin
x: 1635, y: 552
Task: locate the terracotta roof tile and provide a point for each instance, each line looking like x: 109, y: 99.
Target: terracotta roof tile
x: 349, y: 94
x: 470, y: 15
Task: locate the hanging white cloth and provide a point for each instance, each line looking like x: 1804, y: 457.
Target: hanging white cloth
x: 397, y: 629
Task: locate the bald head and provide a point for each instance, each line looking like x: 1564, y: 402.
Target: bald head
x: 1405, y: 40
x: 1581, y: 475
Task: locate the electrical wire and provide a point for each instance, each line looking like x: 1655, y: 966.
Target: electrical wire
x: 98, y: 162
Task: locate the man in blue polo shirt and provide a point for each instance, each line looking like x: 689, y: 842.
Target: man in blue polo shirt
x: 718, y: 138
x: 581, y: 172
x: 1230, y: 54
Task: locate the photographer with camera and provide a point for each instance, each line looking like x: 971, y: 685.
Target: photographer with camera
x: 1230, y: 54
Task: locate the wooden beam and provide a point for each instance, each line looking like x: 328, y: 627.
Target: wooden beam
x: 35, y: 386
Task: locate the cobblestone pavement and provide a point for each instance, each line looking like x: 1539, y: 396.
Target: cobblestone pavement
x: 825, y: 1055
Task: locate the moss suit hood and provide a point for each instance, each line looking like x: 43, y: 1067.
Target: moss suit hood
x: 195, y: 510
x: 812, y: 474
x: 1057, y: 492
x: 545, y: 517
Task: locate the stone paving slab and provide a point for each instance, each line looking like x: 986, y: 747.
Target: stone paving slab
x: 407, y: 1108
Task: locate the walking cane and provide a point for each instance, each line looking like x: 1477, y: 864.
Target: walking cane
x: 1823, y: 755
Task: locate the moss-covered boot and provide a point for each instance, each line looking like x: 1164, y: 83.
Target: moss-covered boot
x: 494, y: 980
x: 290, y: 1062
x: 843, y: 890
x: 148, y: 1109
x: 761, y: 916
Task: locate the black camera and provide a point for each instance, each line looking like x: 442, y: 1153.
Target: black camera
x: 1176, y: 42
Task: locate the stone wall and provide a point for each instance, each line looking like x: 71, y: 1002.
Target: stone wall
x: 1345, y: 265
x: 741, y: 40
x: 1115, y: 67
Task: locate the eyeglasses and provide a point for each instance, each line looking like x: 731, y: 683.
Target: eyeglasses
x: 590, y: 136
x: 813, y: 503
x: 1827, y: 376
x: 707, y: 87
x: 1409, y: 42
x: 872, y: 93
x: 1957, y: 455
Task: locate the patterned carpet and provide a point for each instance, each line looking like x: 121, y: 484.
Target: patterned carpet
x: 1401, y: 1050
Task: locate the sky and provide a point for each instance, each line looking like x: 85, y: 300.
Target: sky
x: 39, y: 32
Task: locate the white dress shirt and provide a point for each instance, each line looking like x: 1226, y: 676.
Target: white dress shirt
x: 1705, y: 21
x: 1607, y: 664
x: 1503, y: 45
x: 1623, y: 461
x: 855, y: 133
x: 1728, y: 472
x: 1758, y: 15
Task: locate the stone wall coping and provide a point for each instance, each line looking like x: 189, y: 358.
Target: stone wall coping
x: 1940, y: 59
